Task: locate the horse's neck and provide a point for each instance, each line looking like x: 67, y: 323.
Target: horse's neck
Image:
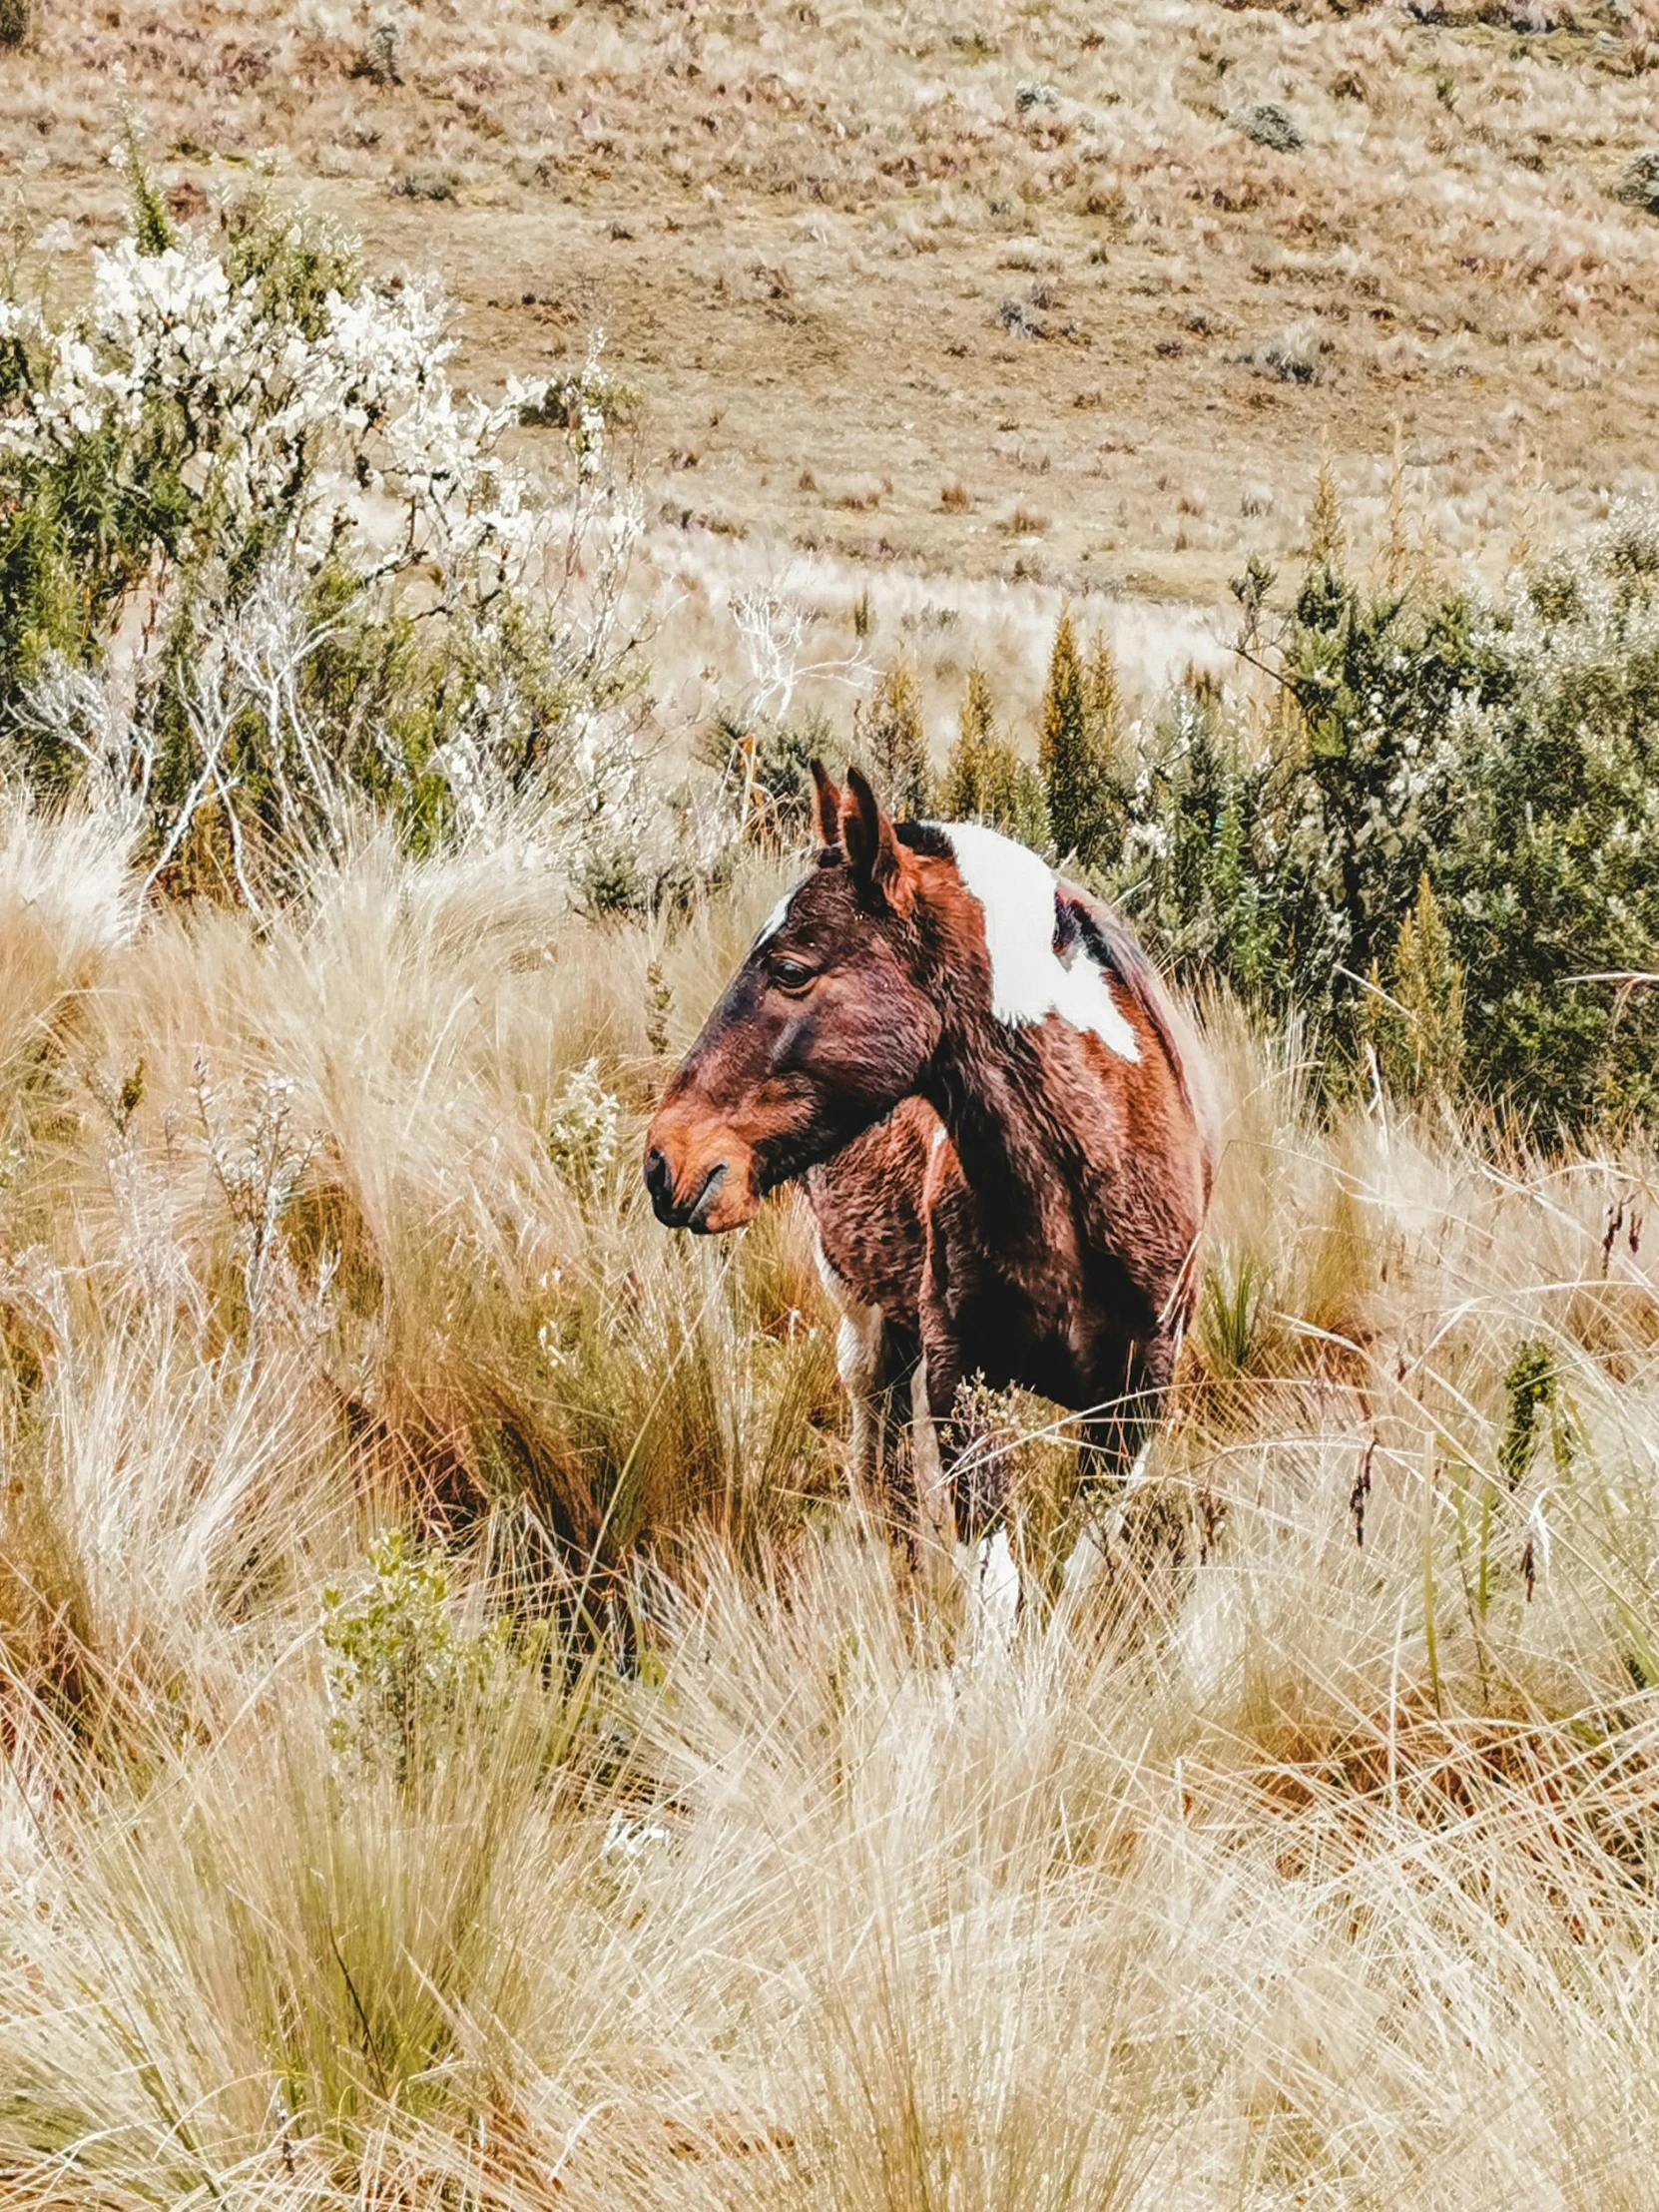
x: 1021, y: 1165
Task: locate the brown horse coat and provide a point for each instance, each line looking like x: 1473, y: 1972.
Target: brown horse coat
x: 1002, y: 1118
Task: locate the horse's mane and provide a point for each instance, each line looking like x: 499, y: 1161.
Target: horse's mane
x: 1110, y: 941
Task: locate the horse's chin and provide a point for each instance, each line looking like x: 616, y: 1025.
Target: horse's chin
x: 730, y: 1209
x: 737, y: 1199
x: 743, y: 1184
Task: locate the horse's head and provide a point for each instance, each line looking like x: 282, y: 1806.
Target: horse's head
x: 822, y: 1030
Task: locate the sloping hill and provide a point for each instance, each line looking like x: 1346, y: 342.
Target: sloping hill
x: 1001, y: 287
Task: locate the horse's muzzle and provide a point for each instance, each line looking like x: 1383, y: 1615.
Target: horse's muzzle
x: 671, y: 1211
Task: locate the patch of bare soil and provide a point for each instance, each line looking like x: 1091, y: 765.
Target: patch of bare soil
x: 1043, y: 291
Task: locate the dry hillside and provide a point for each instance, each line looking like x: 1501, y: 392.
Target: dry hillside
x: 1006, y: 288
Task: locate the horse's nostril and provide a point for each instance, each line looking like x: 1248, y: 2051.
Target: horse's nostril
x: 658, y: 1179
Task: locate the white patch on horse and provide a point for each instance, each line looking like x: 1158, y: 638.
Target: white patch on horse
x: 858, y: 1363
x: 776, y: 920
x: 1028, y: 978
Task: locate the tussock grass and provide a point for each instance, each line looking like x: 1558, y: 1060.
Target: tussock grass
x: 662, y: 1854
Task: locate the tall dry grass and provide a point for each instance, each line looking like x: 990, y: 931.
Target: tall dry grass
x: 1269, y: 1867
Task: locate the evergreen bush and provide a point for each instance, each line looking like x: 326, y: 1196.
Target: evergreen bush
x: 1447, y: 844
x: 1076, y: 750
x: 985, y: 780
x: 890, y: 732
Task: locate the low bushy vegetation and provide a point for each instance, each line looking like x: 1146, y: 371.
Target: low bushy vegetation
x: 260, y: 563
x: 1453, y: 794
x: 458, y: 1743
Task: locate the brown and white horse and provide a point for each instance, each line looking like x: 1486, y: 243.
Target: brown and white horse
x: 1001, y: 1116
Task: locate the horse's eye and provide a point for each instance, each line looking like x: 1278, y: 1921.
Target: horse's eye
x: 791, y: 975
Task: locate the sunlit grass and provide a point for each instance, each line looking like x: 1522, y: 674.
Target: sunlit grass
x: 632, y: 1836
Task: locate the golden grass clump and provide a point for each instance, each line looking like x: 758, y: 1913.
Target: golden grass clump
x: 461, y: 1748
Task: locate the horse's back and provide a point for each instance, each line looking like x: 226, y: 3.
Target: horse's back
x: 1178, y: 1054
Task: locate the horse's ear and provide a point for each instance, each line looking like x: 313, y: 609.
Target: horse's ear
x: 827, y: 808
x: 872, y: 849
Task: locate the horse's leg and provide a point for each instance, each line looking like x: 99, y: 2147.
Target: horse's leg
x: 938, y: 1377
x: 859, y: 1361
x: 859, y: 1341
x: 1117, y: 1444
x: 940, y: 1456
x: 932, y: 1394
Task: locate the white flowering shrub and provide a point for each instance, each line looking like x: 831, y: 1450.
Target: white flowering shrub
x: 582, y: 1131
x: 1505, y: 751
x: 259, y: 561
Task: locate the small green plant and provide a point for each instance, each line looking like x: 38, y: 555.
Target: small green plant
x: 392, y: 1666
x: 1076, y: 752
x: 1417, y: 1028
x: 1018, y: 1460
x: 426, y: 183
x: 397, y: 1667
x: 377, y: 61
x: 16, y: 21
x: 1327, y: 529
x: 1638, y: 185
x: 1270, y: 123
x: 1236, y: 1316
x: 151, y: 230
x: 1529, y: 1386
x: 985, y: 780
x: 890, y: 731
x: 766, y: 765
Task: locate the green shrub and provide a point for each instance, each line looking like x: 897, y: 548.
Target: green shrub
x: 1201, y: 862
x: 1076, y: 749
x: 1550, y: 866
x: 985, y: 780
x: 889, y: 731
x: 1415, y: 1027
x: 1638, y: 185
x: 766, y: 766
x: 396, y: 1665
x: 1460, y: 797
x: 1270, y: 124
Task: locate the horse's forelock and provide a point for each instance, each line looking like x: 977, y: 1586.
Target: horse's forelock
x: 774, y: 921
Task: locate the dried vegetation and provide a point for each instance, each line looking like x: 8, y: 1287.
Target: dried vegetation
x: 1303, y: 1855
